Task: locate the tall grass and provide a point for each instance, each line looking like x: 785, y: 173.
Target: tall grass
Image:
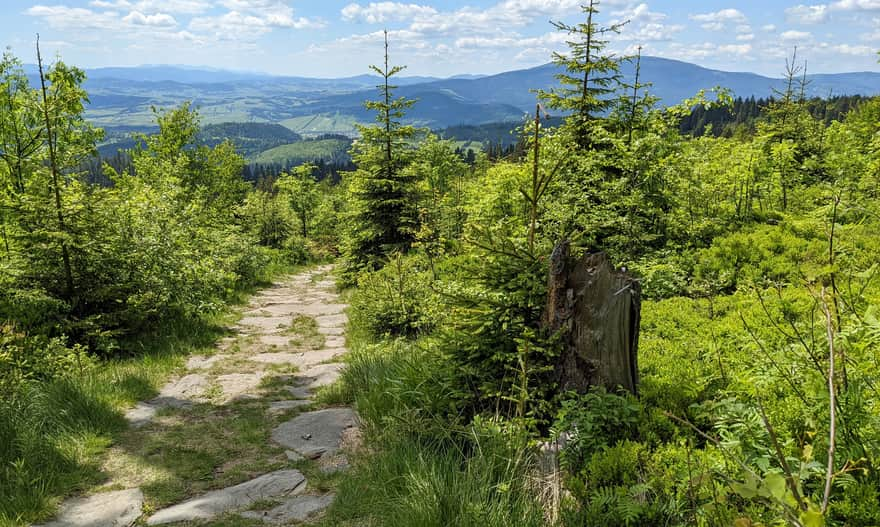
x: 54, y: 432
x: 423, y: 465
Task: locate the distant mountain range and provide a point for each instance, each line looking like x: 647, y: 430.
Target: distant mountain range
x: 121, y: 98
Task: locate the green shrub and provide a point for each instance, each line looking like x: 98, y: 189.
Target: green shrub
x: 394, y: 301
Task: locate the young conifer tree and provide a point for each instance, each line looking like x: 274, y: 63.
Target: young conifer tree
x: 590, y: 77
x: 385, y: 216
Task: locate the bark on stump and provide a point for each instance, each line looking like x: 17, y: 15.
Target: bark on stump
x: 596, y: 310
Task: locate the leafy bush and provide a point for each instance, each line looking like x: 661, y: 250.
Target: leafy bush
x: 394, y: 301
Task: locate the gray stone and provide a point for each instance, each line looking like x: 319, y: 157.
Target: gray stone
x: 273, y: 485
x: 298, y: 509
x: 320, y: 375
x: 300, y: 359
x: 140, y: 415
x: 263, y: 324
x: 335, y: 341
x: 182, y: 392
x: 293, y: 456
x: 109, y: 509
x: 278, y: 407
x: 314, y: 434
x: 281, y: 341
x: 331, y: 321
x: 331, y: 331
x: 235, y: 385
x: 201, y: 362
x: 300, y: 392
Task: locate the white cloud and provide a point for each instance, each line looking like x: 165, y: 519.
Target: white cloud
x: 807, y: 14
x: 718, y: 20
x: 158, y: 20
x: 247, y: 20
x: 795, y: 36
x: 745, y: 37
x: 63, y: 17
x: 847, y: 49
x: 189, y: 7
x: 768, y: 28
x: 708, y: 50
x: 819, y: 13
x: 856, y: 5
x: 379, y: 12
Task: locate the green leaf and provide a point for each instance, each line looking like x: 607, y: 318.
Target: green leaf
x: 775, y: 483
x: 812, y: 519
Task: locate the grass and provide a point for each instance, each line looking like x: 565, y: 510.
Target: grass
x: 419, y: 467
x: 53, y: 434
x: 187, y: 452
x: 68, y: 435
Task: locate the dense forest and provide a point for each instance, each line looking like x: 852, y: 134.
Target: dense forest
x: 749, y: 225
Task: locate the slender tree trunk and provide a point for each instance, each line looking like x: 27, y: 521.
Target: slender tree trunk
x: 56, y: 183
x: 585, y: 89
x: 632, y: 115
x: 387, y: 114
x: 533, y: 210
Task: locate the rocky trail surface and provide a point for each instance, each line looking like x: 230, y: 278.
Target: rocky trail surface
x: 239, y: 438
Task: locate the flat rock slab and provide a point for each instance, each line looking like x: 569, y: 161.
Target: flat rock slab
x: 338, y: 332
x: 297, y: 509
x: 234, y: 385
x: 201, y: 362
x: 300, y: 359
x: 320, y: 307
x: 334, y: 341
x: 140, y: 415
x: 108, y: 509
x: 300, y: 392
x: 314, y: 434
x: 264, y: 324
x: 320, y: 375
x: 272, y: 485
x: 280, y: 341
x: 179, y: 393
x: 338, y: 320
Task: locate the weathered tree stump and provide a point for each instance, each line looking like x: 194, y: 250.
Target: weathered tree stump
x: 596, y: 311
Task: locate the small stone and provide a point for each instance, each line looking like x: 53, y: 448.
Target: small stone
x: 109, y: 509
x: 140, y: 415
x: 293, y: 456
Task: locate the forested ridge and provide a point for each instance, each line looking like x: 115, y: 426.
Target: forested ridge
x: 750, y: 226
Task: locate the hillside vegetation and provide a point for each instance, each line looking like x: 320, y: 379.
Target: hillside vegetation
x: 755, y: 251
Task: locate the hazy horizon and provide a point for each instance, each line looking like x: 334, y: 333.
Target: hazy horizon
x: 438, y: 38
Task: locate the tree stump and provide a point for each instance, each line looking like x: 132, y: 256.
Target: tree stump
x: 595, y: 309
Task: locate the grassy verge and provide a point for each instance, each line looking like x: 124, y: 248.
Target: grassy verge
x: 55, y: 434
x: 421, y: 467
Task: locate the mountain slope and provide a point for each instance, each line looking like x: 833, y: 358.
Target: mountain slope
x: 124, y: 96
x: 672, y: 81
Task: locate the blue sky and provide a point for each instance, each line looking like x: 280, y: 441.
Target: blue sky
x: 436, y: 37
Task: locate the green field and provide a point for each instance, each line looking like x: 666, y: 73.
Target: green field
x: 304, y: 151
x: 315, y: 125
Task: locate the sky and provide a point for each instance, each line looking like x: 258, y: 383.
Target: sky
x: 335, y: 38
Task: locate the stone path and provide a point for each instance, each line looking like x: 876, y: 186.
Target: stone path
x: 236, y: 373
